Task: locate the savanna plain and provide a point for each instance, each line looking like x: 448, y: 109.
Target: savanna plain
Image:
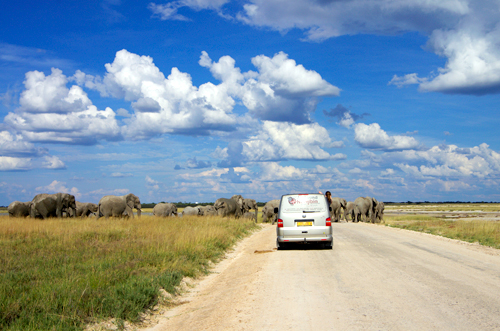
x: 73, y: 274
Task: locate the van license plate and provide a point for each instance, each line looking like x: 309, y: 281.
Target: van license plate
x: 304, y: 223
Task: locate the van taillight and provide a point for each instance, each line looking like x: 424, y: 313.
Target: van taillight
x: 280, y: 223
x: 328, y: 221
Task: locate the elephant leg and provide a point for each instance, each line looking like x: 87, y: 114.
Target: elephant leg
x: 129, y: 211
x: 42, y: 210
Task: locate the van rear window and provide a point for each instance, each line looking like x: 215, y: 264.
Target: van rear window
x: 303, y: 203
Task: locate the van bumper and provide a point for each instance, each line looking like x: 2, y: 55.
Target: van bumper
x: 305, y: 239
x: 305, y: 234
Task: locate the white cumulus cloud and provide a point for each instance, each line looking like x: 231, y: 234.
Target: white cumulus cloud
x: 281, y: 90
x: 58, y: 187
x: 51, y: 112
x: 373, y: 137
x: 282, y: 140
x: 465, y: 32
x: 451, y: 161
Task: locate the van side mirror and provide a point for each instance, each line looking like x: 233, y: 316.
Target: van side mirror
x: 330, y: 208
x: 276, y: 210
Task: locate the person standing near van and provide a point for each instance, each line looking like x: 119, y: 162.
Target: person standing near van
x: 328, y: 196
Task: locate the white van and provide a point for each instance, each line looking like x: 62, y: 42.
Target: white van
x: 304, y: 218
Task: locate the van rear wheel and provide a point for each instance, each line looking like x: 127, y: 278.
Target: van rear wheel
x: 282, y: 246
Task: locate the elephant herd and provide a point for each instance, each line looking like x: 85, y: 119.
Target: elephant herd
x: 366, y: 209
x: 63, y: 204
x: 45, y: 205
x: 236, y: 206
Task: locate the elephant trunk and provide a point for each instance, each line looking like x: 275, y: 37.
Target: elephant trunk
x: 139, y: 211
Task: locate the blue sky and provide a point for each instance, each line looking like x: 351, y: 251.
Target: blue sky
x: 193, y: 100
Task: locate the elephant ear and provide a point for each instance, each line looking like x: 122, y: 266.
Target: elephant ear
x: 129, y: 198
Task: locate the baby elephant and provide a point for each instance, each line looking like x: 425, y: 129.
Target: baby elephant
x: 84, y: 209
x: 165, y: 209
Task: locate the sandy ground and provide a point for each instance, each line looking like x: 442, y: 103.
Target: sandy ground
x: 375, y: 278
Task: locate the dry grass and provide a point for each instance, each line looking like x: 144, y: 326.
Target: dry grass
x: 452, y: 207
x: 483, y: 232
x: 63, y: 273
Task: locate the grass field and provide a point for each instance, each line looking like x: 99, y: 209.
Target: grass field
x: 486, y: 207
x: 483, y: 232
x: 60, y: 274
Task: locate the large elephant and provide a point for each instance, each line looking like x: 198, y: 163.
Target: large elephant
x: 337, y: 205
x: 379, y: 212
x: 208, y: 210
x: 239, y: 200
x: 268, y: 211
x: 249, y: 204
x: 112, y: 205
x: 165, y: 209
x: 365, y: 206
x: 191, y: 211
x: 228, y: 207
x: 19, y: 209
x: 53, y: 205
x: 349, y: 211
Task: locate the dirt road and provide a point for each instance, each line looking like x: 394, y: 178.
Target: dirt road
x: 375, y: 278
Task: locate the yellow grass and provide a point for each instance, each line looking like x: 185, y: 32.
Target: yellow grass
x: 484, y: 232
x: 486, y: 207
x: 62, y: 273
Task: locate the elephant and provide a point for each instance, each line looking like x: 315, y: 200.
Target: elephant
x: 53, y: 205
x: 268, y: 211
x: 349, y: 210
x: 84, y: 209
x: 191, y: 211
x: 118, y: 206
x: 19, y: 209
x: 165, y: 209
x: 365, y: 206
x: 379, y: 212
x: 208, y: 210
x: 239, y: 199
x: 249, y: 204
x: 337, y: 205
x: 229, y: 207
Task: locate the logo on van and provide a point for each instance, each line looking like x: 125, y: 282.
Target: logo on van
x: 292, y: 200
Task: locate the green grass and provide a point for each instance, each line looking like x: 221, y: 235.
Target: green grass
x: 486, y: 233
x: 60, y: 274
